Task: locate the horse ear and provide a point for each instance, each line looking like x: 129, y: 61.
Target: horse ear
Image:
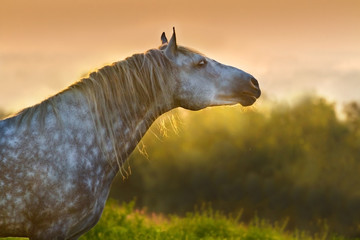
x: 171, y: 49
x: 163, y: 38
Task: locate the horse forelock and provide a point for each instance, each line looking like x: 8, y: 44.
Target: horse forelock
x: 188, y: 51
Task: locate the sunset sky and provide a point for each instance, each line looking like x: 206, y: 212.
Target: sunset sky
x: 291, y: 47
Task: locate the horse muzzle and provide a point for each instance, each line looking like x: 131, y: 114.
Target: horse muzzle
x: 249, y: 93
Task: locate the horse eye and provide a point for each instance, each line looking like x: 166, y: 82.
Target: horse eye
x: 202, y: 63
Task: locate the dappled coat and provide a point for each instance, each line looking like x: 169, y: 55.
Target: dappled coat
x: 58, y: 158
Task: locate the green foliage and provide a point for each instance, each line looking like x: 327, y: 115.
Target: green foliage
x: 296, y: 166
x: 127, y: 223
x: 299, y: 163
x: 206, y: 224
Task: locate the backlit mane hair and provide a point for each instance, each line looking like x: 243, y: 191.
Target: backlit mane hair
x: 120, y: 88
x: 124, y: 85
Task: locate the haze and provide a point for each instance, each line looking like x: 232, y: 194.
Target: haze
x: 291, y: 47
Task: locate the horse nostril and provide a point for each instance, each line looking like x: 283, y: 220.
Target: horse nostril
x: 254, y: 82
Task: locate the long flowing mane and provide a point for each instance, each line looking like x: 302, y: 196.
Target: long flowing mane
x: 117, y: 88
x: 59, y: 157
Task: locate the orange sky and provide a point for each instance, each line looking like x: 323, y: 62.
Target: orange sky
x: 290, y: 46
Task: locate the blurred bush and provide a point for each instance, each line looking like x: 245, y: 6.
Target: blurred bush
x: 300, y: 163
x: 2, y: 114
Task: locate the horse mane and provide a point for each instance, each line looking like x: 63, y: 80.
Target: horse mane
x: 139, y: 80
x: 122, y: 86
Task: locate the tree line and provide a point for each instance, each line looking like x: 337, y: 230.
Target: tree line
x: 297, y: 163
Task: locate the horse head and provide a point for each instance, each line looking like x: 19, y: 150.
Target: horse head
x: 202, y: 82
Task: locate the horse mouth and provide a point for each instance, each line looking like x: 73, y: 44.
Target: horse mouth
x: 244, y: 98
x: 248, y: 99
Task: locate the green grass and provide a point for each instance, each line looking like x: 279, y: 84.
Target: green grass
x: 126, y: 223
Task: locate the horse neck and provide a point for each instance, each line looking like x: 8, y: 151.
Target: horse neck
x: 86, y: 109
x: 128, y: 120
x: 131, y: 134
